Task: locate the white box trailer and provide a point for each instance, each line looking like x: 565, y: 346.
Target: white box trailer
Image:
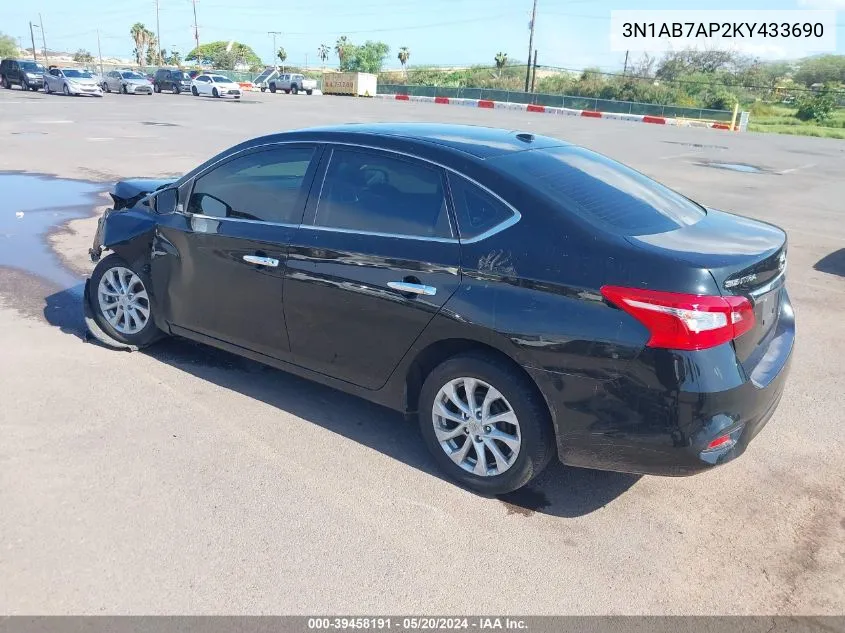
x: 355, y: 84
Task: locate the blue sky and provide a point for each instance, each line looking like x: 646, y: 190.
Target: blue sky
x: 569, y: 33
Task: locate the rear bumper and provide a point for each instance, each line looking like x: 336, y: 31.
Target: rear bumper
x: 654, y: 421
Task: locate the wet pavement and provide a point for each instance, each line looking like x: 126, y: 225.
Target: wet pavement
x: 34, y: 206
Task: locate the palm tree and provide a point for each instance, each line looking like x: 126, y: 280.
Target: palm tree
x: 501, y: 61
x: 340, y: 47
x: 404, y: 55
x: 139, y: 34
x: 282, y: 54
x: 323, y: 53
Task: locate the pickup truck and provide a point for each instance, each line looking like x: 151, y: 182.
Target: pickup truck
x: 292, y: 84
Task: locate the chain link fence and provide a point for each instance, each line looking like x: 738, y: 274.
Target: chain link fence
x: 559, y: 101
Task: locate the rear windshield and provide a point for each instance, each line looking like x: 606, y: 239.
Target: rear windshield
x: 602, y: 191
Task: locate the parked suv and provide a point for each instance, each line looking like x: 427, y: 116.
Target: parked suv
x: 27, y: 74
x: 173, y: 80
x: 292, y: 84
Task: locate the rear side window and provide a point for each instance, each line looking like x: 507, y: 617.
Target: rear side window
x: 477, y: 211
x: 378, y: 193
x: 264, y: 186
x: 602, y: 191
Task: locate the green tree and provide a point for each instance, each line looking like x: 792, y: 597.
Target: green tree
x: 83, y: 56
x: 282, y: 54
x: 816, y: 106
x: 174, y: 59
x: 8, y: 46
x: 323, y: 53
x: 366, y: 58
x: 404, y: 55
x: 140, y: 35
x: 216, y: 53
x: 341, y: 47
x: 823, y: 69
x: 151, y: 54
x: 501, y: 61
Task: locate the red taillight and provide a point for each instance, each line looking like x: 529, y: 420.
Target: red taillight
x: 719, y: 441
x: 683, y: 321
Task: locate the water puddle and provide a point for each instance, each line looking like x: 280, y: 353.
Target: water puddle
x: 32, y: 206
x: 740, y: 167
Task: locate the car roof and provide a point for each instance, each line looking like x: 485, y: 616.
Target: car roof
x: 478, y: 141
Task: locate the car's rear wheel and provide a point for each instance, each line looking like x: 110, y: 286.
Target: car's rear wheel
x: 194, y: 91
x: 273, y: 88
x: 120, y: 301
x: 263, y: 89
x: 5, y: 82
x: 308, y: 92
x: 105, y: 86
x: 485, y: 424
x: 214, y: 93
x: 294, y: 89
x: 156, y: 88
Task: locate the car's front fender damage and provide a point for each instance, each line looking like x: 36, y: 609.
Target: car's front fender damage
x: 129, y: 233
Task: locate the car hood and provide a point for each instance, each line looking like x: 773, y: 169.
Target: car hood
x: 128, y: 192
x: 137, y: 82
x: 82, y: 81
x: 226, y: 84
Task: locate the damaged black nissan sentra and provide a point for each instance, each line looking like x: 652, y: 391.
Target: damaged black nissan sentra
x: 524, y: 297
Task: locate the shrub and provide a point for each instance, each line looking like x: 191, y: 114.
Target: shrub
x: 815, y: 107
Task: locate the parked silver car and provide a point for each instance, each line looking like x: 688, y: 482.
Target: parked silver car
x: 127, y: 82
x: 292, y: 84
x: 71, y: 81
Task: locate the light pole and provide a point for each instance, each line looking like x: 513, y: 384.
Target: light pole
x: 32, y: 36
x: 274, y: 34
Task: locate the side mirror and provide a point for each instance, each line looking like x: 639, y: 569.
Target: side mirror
x: 164, y: 202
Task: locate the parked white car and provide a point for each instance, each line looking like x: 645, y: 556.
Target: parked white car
x: 127, y: 82
x: 71, y: 81
x: 216, y: 86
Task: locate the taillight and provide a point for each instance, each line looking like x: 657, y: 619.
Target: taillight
x: 683, y: 321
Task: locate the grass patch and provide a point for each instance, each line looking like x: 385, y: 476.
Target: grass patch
x: 798, y: 130
x: 780, y: 119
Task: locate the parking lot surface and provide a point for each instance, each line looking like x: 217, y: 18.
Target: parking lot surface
x: 185, y: 480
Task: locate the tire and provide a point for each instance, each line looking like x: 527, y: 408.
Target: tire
x: 47, y: 88
x: 273, y: 88
x: 194, y: 91
x: 34, y: 88
x: 309, y: 92
x: 287, y: 92
x: 121, y: 329
x: 175, y: 89
x: 535, y: 435
x: 214, y: 93
x: 105, y: 87
x: 65, y: 90
x: 5, y: 82
x: 294, y: 89
x: 263, y: 89
x: 156, y: 88
x: 25, y: 86
x: 125, y: 91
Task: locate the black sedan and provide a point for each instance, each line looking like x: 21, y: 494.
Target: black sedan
x: 522, y: 296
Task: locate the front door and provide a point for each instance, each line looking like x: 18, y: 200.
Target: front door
x: 220, y: 265
x: 374, y: 261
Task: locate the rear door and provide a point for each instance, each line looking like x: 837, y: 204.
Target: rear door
x: 374, y: 260
x: 221, y: 262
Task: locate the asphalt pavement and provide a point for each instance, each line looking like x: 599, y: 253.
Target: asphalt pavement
x: 186, y: 480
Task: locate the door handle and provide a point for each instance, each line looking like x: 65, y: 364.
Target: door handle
x: 261, y: 261
x: 416, y: 289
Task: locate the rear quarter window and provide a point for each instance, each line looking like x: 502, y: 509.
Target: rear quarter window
x: 602, y: 191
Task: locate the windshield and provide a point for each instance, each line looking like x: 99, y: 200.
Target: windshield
x: 77, y: 74
x: 31, y: 67
x: 219, y: 79
x: 602, y: 191
x: 132, y: 76
x: 178, y: 76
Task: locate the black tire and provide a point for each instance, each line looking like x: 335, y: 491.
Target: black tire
x: 105, y: 87
x: 287, y: 92
x: 175, y: 89
x: 125, y: 91
x: 194, y: 91
x: 214, y: 93
x: 309, y: 92
x: 65, y: 90
x: 156, y: 88
x: 537, y: 436
x: 273, y: 88
x: 25, y: 85
x: 263, y: 89
x: 294, y: 89
x: 149, y: 333
x: 5, y: 82
x: 34, y: 88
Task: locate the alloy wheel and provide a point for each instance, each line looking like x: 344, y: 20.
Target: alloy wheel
x: 476, y: 426
x: 123, y: 300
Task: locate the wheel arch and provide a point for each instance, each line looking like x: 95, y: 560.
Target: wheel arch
x: 439, y: 351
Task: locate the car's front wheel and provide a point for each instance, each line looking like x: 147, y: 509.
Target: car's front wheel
x: 175, y: 89
x: 273, y: 88
x: 6, y: 84
x: 194, y: 91
x: 120, y: 300
x: 214, y: 93
x: 485, y: 423
x: 66, y: 90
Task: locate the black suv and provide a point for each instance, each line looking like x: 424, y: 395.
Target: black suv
x: 27, y: 74
x: 175, y: 81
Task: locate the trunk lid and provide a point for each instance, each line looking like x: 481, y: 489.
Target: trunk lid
x: 745, y: 257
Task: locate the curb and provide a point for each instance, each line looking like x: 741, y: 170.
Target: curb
x: 523, y: 107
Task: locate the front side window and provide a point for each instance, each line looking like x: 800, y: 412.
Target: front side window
x: 264, y: 186
x: 372, y: 192
x: 477, y: 211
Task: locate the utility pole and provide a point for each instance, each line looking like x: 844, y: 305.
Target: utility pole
x: 31, y: 35
x: 43, y: 39
x: 196, y: 30
x: 158, y: 36
x: 530, y: 44
x: 534, y: 74
x: 99, y: 52
x: 625, y: 69
x: 274, y: 34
